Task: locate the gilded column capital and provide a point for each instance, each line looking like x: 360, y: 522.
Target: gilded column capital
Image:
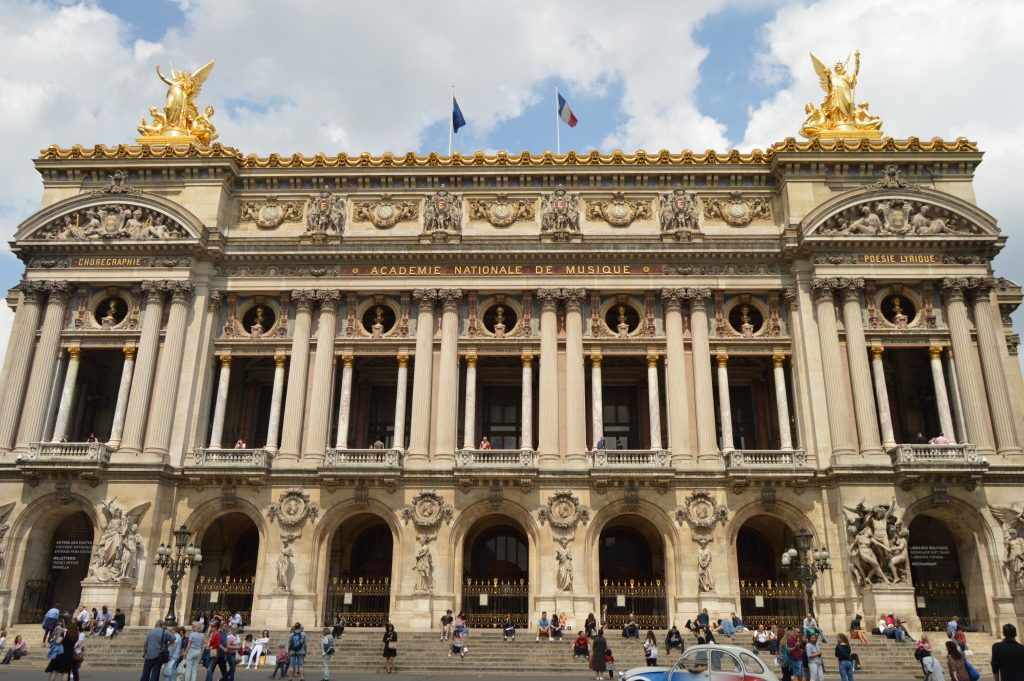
x: 698, y: 296
x: 403, y: 360
x: 652, y: 360
x: 792, y: 296
x: 225, y: 361
x: 213, y: 300
x: 527, y: 358
x: 471, y: 360
x: 548, y: 298
x: 778, y: 360
x: 877, y: 350
x: 595, y: 359
x: 672, y: 298
x: 280, y: 360
x: 723, y: 360
x: 129, y: 352
x: 74, y: 352
x: 935, y: 351
x: 450, y: 298
x: 347, y: 360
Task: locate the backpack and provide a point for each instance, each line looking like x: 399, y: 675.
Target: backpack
x: 329, y: 648
x: 295, y: 643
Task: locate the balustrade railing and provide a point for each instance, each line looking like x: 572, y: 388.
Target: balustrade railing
x: 631, y: 458
x: 363, y: 458
x: 494, y: 458
x: 70, y: 452
x: 766, y: 459
x: 928, y: 454
x: 246, y: 458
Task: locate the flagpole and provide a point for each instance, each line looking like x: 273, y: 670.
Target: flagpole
x: 558, y: 131
x: 451, y: 121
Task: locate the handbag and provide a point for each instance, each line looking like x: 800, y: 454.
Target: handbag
x: 971, y: 671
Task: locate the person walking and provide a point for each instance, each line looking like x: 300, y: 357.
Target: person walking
x: 814, y: 662
x: 193, y: 652
x: 63, y: 644
x: 281, y: 663
x: 956, y: 663
x: 844, y: 653
x: 598, y: 648
x: 297, y: 646
x: 234, y: 644
x: 1008, y: 657
x: 78, y: 656
x: 154, y: 645
x: 50, y: 622
x: 929, y: 665
x: 390, y: 652
x: 218, y: 651
x: 326, y: 653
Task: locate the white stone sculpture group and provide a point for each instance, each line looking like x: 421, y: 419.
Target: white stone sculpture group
x: 115, y: 556
x: 879, y: 550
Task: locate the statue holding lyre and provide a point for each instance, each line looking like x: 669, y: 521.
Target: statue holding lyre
x: 838, y: 115
x: 180, y: 121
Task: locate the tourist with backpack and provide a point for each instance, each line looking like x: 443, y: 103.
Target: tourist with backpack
x: 327, y: 652
x: 297, y: 645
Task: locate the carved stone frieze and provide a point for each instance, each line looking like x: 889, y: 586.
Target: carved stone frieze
x: 891, y: 180
x: 503, y: 210
x: 563, y: 511
x: 276, y: 270
x: 385, y: 213
x: 736, y: 210
x: 113, y: 221
x: 679, y: 216
x: 270, y: 213
x: 560, y: 215
x: 701, y: 512
x: 325, y: 216
x: 293, y: 509
x: 895, y: 218
x: 618, y: 211
x: 442, y: 216
x: 739, y: 268
x: 427, y: 510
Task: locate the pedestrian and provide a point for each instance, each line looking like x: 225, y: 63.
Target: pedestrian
x: 78, y: 656
x: 297, y: 646
x: 326, y: 652
x: 651, y: 649
x: 62, y: 650
x: 1008, y: 657
x: 281, y: 663
x: 929, y: 665
x: 259, y: 650
x: 234, y: 645
x: 795, y: 651
x: 631, y: 629
x: 508, y: 629
x: 960, y: 638
x: 170, y: 668
x: 50, y: 622
x: 844, y: 654
x: 956, y: 663
x: 446, y: 625
x: 339, y: 625
x: 952, y: 625
x: 782, y: 655
x: 597, y: 661
x: 217, y: 648
x: 461, y: 625
x: 236, y: 620
x: 193, y: 652
x: 590, y: 626
x: 814, y: 662
x: 390, y: 639
x: 154, y: 645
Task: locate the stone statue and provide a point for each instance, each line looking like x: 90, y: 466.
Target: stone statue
x: 180, y: 117
x: 900, y: 557
x: 623, y: 326
x: 898, y: 317
x: 257, y: 330
x: 746, y: 328
x: 679, y: 215
x: 560, y: 215
x: 442, y: 215
x: 878, y: 543
x: 838, y: 115
x: 424, y: 567
x: 499, y: 322
x: 863, y: 559
x: 114, y: 557
x: 564, y: 580
x: 706, y: 583
x: 284, y: 571
x: 377, y: 330
x: 1012, y: 523
x: 5, y: 513
x: 325, y: 214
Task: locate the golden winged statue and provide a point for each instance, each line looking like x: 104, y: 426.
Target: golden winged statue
x: 180, y: 122
x: 839, y: 116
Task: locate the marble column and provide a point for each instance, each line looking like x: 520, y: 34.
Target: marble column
x: 654, y: 400
x: 675, y: 376
x: 941, y: 395
x: 165, y: 388
x: 44, y: 366
x: 145, y: 368
x: 20, y: 349
x: 782, y: 400
x: 469, y: 424
x: 547, y: 414
x: 576, y: 388
x: 999, y: 404
x: 298, y: 371
x: 968, y: 377
x: 274, y: 422
x: 401, y: 389
x: 596, y: 398
x: 422, y: 378
x: 53, y: 402
x: 703, y: 401
x: 123, y: 391
x: 954, y: 395
x: 839, y: 415
x: 448, y: 380
x: 323, y: 376
x: 221, y: 403
x: 860, y: 372
x: 67, y: 397
x: 526, y: 438
x: 345, y: 402
x: 724, y: 405
x: 882, y: 397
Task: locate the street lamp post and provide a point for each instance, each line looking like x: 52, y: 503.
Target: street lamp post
x: 175, y: 561
x: 806, y: 565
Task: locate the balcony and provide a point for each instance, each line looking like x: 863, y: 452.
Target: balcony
x: 495, y: 459
x: 765, y: 464
x: 239, y: 460
x: 914, y: 462
x: 362, y: 459
x: 69, y: 455
x: 630, y: 459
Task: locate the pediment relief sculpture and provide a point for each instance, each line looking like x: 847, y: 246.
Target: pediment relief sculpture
x: 737, y: 210
x: 503, y: 210
x: 679, y: 216
x: 113, y: 221
x: 618, y: 211
x: 270, y: 213
x: 385, y: 213
x: 895, y: 218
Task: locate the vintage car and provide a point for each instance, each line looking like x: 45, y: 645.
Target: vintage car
x: 707, y: 663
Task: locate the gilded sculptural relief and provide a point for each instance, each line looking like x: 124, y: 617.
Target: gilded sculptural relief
x: 180, y: 121
x: 839, y: 116
x: 503, y: 211
x: 385, y: 213
x: 618, y: 211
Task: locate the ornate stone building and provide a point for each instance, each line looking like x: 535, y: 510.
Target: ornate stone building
x: 679, y: 363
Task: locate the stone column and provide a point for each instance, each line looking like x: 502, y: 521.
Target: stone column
x: 576, y: 389
x: 596, y: 398
x: 221, y: 404
x: 860, y: 373
x: 67, y: 396
x: 448, y: 381
x: 422, y: 379
x: 967, y: 374
x: 989, y: 338
x: 53, y: 402
x: 782, y: 400
x: 145, y: 368
x: 323, y: 376
x: 165, y: 389
x: 653, y: 399
x: 882, y: 397
x: 469, y: 425
x: 44, y: 366
x: 20, y: 349
x: 274, y: 422
x: 526, y: 438
x: 298, y: 370
x: 401, y: 388
x: 345, y: 403
x: 547, y: 414
x: 941, y: 396
x: 704, y: 403
x: 123, y: 391
x: 675, y: 375
x: 724, y: 405
x: 832, y: 366
x: 954, y: 394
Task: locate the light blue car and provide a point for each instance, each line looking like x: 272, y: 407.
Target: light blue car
x: 707, y: 663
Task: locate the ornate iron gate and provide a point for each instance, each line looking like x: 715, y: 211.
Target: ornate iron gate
x: 771, y: 602
x: 942, y: 600
x: 503, y: 597
x: 222, y: 595
x: 35, y: 599
x: 362, y: 602
x: 645, y: 599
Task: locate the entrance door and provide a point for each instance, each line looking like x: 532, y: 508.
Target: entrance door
x: 360, y: 584
x: 227, y: 577
x: 935, y: 571
x: 497, y: 583
x: 59, y: 580
x: 500, y: 417
x: 631, y: 578
x: 767, y: 595
x: 621, y: 423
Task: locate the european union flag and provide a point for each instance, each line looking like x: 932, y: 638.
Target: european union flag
x: 458, y: 120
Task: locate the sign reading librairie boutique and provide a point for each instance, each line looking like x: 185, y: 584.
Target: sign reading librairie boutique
x: 499, y: 270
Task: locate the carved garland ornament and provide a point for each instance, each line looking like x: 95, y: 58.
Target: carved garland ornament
x: 293, y: 509
x: 736, y: 210
x: 618, y: 211
x: 563, y: 511
x: 385, y: 213
x: 701, y: 512
x: 427, y: 510
x: 270, y: 213
x: 502, y: 211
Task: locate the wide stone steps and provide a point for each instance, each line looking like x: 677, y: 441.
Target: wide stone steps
x: 360, y: 650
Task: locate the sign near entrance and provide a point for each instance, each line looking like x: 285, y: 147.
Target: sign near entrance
x: 69, y: 553
x: 928, y: 555
x: 499, y: 270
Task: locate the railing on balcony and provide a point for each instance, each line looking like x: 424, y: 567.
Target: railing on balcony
x: 67, y: 452
x: 937, y: 455
x: 766, y: 459
x: 631, y: 458
x: 363, y: 458
x: 241, y: 458
x: 495, y: 458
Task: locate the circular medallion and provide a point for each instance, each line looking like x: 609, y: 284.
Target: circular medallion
x: 738, y: 211
x: 619, y: 211
x: 271, y: 214
x: 385, y: 211
x: 501, y: 211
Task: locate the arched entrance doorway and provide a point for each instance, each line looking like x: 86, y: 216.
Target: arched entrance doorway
x: 767, y: 594
x: 57, y: 557
x: 359, y: 583
x: 935, y: 570
x: 224, y: 585
x: 631, y: 558
x: 496, y: 573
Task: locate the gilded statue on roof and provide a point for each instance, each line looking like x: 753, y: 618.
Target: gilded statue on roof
x: 180, y: 121
x: 838, y: 115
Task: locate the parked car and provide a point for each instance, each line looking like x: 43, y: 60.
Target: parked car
x: 707, y: 663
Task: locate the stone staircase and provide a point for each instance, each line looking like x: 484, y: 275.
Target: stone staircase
x: 360, y: 651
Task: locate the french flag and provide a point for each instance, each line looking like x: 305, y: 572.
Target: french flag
x: 565, y: 113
